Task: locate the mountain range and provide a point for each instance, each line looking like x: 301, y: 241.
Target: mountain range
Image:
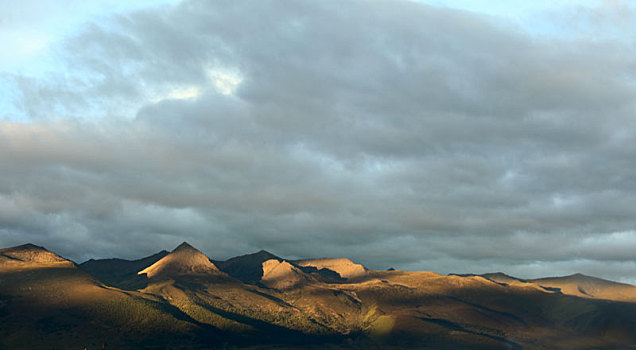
x: 183, y: 299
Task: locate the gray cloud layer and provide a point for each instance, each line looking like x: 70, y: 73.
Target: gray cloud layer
x: 394, y: 133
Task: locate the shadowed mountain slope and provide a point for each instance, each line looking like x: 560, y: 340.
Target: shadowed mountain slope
x: 121, y: 273
x: 247, y: 268
x: 342, y: 266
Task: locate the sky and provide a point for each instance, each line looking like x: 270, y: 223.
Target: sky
x: 448, y: 136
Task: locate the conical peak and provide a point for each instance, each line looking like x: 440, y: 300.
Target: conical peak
x: 183, y: 260
x: 265, y: 254
x: 184, y: 246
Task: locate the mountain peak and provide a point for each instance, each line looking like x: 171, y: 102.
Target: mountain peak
x: 265, y: 254
x: 29, y: 246
x: 30, y: 253
x: 183, y: 260
x: 184, y: 246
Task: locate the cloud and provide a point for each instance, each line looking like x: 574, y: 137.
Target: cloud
x: 397, y: 134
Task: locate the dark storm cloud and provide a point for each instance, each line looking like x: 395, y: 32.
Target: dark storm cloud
x: 394, y: 133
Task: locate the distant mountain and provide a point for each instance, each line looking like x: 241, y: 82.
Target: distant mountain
x: 345, y: 268
x: 188, y: 301
x: 576, y: 285
x: 589, y: 287
x: 247, y: 268
x: 121, y: 273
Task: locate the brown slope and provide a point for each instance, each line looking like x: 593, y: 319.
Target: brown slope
x: 182, y: 261
x: 29, y: 255
x: 289, y: 309
x: 589, y: 287
x: 282, y: 275
x: 404, y: 308
x: 576, y: 285
x: 342, y: 266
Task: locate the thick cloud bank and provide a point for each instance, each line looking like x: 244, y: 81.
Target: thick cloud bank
x: 394, y: 133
